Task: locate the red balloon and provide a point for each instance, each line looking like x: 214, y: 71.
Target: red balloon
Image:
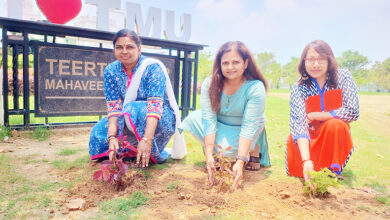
x: 59, y: 11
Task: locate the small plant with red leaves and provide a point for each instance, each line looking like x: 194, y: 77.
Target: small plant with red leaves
x: 113, y: 171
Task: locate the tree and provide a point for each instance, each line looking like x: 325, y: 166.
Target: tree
x: 205, y: 65
x: 264, y: 60
x: 356, y: 63
x: 379, y: 74
x: 270, y: 68
x: 290, y: 71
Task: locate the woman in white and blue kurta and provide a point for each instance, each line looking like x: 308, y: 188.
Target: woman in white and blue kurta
x: 231, y: 118
x: 139, y: 98
x: 322, y: 104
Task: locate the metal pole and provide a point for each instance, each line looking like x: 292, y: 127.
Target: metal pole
x: 15, y: 73
x: 5, y: 77
x: 195, y: 84
x: 26, y: 83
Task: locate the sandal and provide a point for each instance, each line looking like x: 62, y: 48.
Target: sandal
x: 252, y: 160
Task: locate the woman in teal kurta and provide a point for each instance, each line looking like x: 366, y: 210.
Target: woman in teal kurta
x: 238, y: 119
x: 230, y: 123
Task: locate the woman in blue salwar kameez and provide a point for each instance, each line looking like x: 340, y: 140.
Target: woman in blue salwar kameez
x: 140, y: 102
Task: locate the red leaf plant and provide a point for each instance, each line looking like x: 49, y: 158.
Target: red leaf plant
x: 112, y: 171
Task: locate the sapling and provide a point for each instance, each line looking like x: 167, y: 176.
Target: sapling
x: 224, y: 174
x: 114, y: 171
x: 319, y: 183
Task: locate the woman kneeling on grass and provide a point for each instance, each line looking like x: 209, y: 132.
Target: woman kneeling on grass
x: 141, y: 104
x: 322, y: 104
x: 232, y: 112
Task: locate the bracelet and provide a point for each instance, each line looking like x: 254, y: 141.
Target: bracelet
x: 146, y: 140
x: 111, y: 137
x: 245, y: 159
x: 303, y: 161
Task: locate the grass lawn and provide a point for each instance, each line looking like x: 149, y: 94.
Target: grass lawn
x: 21, y: 196
x: 18, y: 119
x: 369, y: 164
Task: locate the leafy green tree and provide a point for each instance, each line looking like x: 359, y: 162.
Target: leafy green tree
x: 205, y: 65
x: 270, y: 68
x: 264, y: 60
x: 290, y: 71
x: 379, y: 74
x: 356, y: 63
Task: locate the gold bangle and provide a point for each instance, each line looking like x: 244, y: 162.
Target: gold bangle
x: 111, y: 138
x: 146, y: 140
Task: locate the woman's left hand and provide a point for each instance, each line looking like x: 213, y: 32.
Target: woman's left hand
x: 143, y: 155
x: 237, y: 173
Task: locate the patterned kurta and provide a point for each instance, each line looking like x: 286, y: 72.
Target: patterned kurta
x: 330, y: 141
x: 152, y: 101
x: 299, y: 94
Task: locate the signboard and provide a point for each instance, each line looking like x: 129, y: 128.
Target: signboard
x: 69, y: 79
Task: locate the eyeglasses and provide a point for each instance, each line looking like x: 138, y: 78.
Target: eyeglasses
x: 312, y: 60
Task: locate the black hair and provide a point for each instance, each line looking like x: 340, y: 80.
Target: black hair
x: 127, y: 33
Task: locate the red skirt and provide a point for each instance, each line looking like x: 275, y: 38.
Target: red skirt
x: 331, y: 148
x: 331, y: 142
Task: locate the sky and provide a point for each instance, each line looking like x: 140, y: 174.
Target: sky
x: 284, y: 27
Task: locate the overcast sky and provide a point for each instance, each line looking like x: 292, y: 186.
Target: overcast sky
x: 284, y: 27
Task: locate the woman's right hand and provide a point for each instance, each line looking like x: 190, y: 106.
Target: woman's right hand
x: 307, y: 167
x: 114, y: 146
x: 210, y: 164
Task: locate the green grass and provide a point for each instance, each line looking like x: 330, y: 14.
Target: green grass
x: 18, y: 119
x: 64, y: 164
x: 68, y: 151
x: 4, y: 132
x: 146, y: 173
x: 34, y: 159
x: 172, y: 186
x: 159, y: 166
x: 41, y: 133
x: 122, y: 208
x: 19, y: 197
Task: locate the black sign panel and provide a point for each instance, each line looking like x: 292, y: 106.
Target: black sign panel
x: 69, y: 79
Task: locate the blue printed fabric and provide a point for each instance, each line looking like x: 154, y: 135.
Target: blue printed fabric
x: 151, y: 101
